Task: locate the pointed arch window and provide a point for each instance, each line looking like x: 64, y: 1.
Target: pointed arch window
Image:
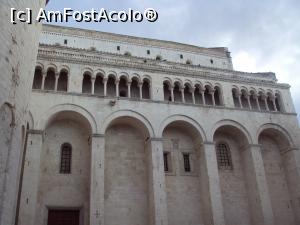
x: 65, y: 158
x: 224, y: 156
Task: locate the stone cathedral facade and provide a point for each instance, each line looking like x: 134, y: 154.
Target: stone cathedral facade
x: 131, y: 131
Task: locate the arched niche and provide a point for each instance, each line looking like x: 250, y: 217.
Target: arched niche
x: 126, y: 171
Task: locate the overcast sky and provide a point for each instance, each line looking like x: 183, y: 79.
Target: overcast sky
x: 262, y: 35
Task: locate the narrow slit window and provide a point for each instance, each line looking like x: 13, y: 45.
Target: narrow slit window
x: 186, y: 162
x: 65, y: 159
x: 166, y: 163
x: 148, y: 52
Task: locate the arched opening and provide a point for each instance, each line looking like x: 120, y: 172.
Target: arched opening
x: 50, y: 80
x: 38, y: 78
x: 198, y: 95
x: 64, y: 174
x: 235, y: 96
x: 188, y: 94
x: 189, y: 62
x: 208, y: 95
x: 232, y: 174
x: 62, y: 82
x: 270, y: 102
x: 244, y: 99
x: 279, y: 177
x: 126, y: 172
x: 123, y: 89
x: 111, y: 86
x: 167, y: 91
x: 158, y: 58
x: 146, y: 89
x: 183, y: 159
x: 87, y: 83
x: 261, y: 101
x: 278, y: 102
x: 99, y: 86
x: 217, y: 95
x: 177, y: 92
x: 134, y: 88
x: 253, y: 101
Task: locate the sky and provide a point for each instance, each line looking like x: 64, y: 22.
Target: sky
x: 262, y: 35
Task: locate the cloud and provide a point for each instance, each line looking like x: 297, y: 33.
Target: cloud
x: 262, y: 35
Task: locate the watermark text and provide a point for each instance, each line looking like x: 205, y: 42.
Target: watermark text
x: 68, y: 14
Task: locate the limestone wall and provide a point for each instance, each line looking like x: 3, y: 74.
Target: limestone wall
x: 18, y: 52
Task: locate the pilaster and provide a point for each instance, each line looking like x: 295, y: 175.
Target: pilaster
x: 259, y: 198
x: 157, y: 193
x: 97, y: 180
x: 215, y: 211
x: 29, y: 194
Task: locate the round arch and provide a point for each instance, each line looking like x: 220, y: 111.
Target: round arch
x: 232, y: 123
x: 51, y: 66
x: 48, y: 116
x: 131, y: 115
x: 181, y: 118
x: 277, y: 129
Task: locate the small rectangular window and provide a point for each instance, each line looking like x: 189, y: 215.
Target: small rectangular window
x: 166, y: 163
x: 118, y: 48
x: 65, y: 41
x: 181, y: 56
x: 187, y: 163
x: 148, y: 52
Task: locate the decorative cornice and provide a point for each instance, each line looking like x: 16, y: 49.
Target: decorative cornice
x: 35, y: 132
x: 208, y: 143
x: 100, y: 59
x: 155, y: 139
x: 161, y: 102
x: 98, y: 135
x: 289, y: 149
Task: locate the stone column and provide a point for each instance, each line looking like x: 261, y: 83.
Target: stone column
x: 203, y: 97
x: 29, y: 192
x: 97, y: 180
x: 105, y: 86
x: 274, y: 105
x: 209, y: 171
x: 43, y: 80
x: 240, y: 100
x: 249, y: 103
x: 93, y: 79
x: 257, y: 103
x: 56, y: 81
x: 182, y: 95
x: 128, y: 89
x: 157, y: 186
x: 291, y: 160
x: 117, y: 87
x: 213, y: 97
x: 172, y: 93
x: 141, y: 90
x: 193, y: 95
x: 258, y: 193
x: 266, y: 103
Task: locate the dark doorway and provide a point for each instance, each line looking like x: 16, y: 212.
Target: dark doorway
x: 63, y: 217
